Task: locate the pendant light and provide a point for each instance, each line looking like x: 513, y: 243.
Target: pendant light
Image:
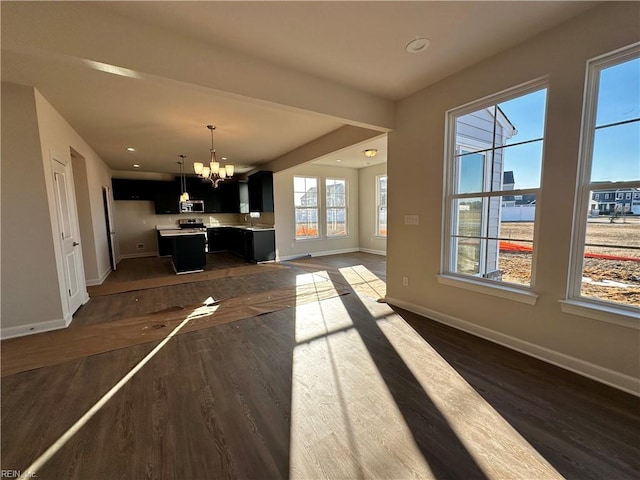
x: 184, y: 196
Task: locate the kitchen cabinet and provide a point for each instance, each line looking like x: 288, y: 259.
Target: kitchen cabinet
x: 165, y: 245
x: 188, y: 253
x: 260, y: 245
x: 234, y: 197
x: 261, y: 192
x: 128, y: 189
x: 167, y: 197
x: 203, y: 190
x: 218, y: 239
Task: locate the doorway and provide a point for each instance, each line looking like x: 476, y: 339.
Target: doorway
x: 108, y: 217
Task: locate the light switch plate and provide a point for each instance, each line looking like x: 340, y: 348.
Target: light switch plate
x: 411, y: 220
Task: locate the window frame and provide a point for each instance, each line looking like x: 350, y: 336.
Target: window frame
x: 345, y: 208
x: 296, y: 208
x: 379, y: 206
x: 448, y: 275
x: 575, y: 303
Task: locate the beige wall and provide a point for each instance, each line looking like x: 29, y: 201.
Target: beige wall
x: 33, y: 294
x: 369, y: 241
x: 602, y: 350
x: 57, y: 135
x: 30, y: 292
x: 286, y: 244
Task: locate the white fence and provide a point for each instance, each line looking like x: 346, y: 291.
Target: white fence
x: 519, y: 213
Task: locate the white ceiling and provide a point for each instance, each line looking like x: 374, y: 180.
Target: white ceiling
x: 272, y: 76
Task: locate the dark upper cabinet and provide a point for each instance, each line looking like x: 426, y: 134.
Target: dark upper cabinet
x: 203, y: 190
x: 127, y: 189
x: 234, y: 197
x: 261, y: 192
x: 167, y: 197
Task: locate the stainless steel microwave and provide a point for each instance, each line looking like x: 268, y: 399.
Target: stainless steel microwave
x: 192, y: 206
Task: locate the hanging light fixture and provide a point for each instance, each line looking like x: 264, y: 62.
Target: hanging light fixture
x: 213, y: 172
x: 184, y: 196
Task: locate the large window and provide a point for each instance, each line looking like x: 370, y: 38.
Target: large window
x: 305, y: 193
x: 493, y: 168
x: 336, y: 202
x: 605, y: 264
x: 381, y: 205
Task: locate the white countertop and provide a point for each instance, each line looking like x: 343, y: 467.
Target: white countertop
x: 177, y: 232
x: 255, y: 228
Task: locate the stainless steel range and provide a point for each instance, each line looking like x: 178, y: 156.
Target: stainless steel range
x: 195, y: 223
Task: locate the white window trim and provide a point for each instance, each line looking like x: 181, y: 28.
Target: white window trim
x: 446, y: 260
x: 346, y: 208
x: 575, y: 303
x: 377, y: 232
x: 506, y: 290
x: 295, y: 210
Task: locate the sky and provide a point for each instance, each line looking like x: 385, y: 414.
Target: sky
x: 616, y: 152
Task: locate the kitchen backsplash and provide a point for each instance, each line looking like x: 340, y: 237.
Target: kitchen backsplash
x: 136, y: 222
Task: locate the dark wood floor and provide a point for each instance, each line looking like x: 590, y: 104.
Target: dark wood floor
x: 343, y: 388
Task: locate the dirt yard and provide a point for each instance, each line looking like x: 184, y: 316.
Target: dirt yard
x: 607, y: 279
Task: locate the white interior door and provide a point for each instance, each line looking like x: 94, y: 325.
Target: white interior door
x: 72, y: 260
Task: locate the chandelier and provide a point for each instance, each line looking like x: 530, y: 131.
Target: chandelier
x: 213, y: 172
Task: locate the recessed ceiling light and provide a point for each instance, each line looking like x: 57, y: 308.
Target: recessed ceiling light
x: 131, y: 149
x: 338, y: 160
x: 136, y: 165
x: 417, y: 45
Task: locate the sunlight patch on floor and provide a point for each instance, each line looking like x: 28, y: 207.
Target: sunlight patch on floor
x: 339, y: 429
x: 498, y: 449
x: 32, y: 470
x: 366, y: 285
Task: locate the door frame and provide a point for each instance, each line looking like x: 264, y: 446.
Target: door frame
x: 57, y: 160
x: 110, y: 225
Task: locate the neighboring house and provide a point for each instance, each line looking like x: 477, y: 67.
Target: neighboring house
x: 478, y: 171
x: 516, y: 208
x: 615, y: 200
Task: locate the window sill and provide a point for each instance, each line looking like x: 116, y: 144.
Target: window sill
x: 496, y: 290
x: 334, y: 237
x: 604, y: 313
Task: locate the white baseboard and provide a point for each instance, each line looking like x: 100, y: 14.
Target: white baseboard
x: 33, y: 328
x: 317, y: 254
x: 93, y: 282
x: 604, y: 375
x: 375, y: 252
x: 137, y: 255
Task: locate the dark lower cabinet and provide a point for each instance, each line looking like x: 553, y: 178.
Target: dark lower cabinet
x: 188, y: 253
x: 261, y: 245
x: 253, y: 245
x: 165, y: 245
x: 218, y: 239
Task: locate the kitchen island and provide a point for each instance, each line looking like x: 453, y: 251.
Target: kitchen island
x: 187, y: 246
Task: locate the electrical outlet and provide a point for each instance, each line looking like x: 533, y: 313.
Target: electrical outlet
x: 405, y: 281
x: 140, y: 246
